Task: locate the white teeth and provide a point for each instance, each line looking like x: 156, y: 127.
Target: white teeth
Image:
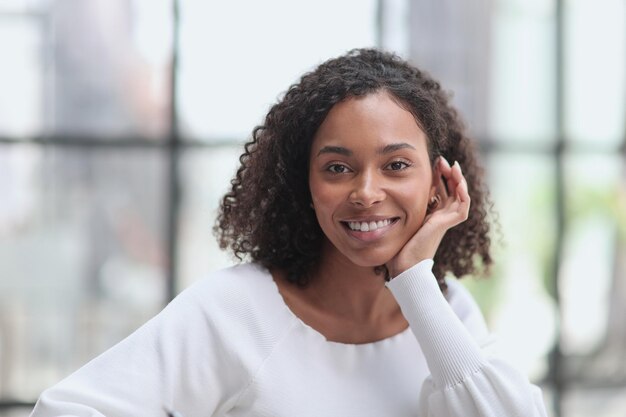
x: 368, y: 226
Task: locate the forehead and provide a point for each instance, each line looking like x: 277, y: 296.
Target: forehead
x: 375, y: 119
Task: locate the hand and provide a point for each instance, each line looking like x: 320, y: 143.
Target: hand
x: 453, y: 209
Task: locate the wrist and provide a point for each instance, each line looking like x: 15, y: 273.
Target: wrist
x: 402, y: 264
x: 396, y: 271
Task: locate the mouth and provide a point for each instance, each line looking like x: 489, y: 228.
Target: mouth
x: 369, y: 229
x: 369, y: 226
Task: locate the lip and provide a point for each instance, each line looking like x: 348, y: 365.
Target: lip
x: 368, y: 219
x: 373, y: 235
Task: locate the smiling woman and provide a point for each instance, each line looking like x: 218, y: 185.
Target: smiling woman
x: 271, y: 179
x: 350, y: 214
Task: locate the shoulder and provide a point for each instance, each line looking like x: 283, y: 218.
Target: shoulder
x: 246, y: 286
x: 242, y: 279
x: 238, y: 302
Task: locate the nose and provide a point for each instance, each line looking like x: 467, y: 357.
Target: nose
x: 367, y: 190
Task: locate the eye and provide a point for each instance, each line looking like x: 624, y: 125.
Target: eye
x: 398, y: 165
x: 337, y: 169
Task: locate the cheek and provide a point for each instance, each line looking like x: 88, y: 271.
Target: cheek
x: 416, y: 205
x: 322, y: 199
x: 323, y: 193
x: 317, y: 194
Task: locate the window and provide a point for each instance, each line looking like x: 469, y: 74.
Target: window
x: 121, y: 122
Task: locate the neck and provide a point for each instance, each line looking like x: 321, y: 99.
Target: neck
x: 353, y: 292
x: 344, y: 302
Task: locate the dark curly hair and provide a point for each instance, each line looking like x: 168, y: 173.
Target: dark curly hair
x: 266, y: 215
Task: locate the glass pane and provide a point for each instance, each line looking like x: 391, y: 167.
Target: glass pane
x: 450, y: 41
x: 395, y: 25
x: 16, y: 412
x: 515, y: 299
x: 82, y: 255
x: 206, y: 176
x: 21, y: 83
x: 237, y: 57
x: 522, y: 90
x: 595, y: 71
x: 96, y: 68
x: 20, y: 6
x: 592, y: 284
x: 605, y: 402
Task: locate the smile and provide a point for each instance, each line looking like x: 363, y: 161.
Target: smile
x: 369, y: 226
x: 369, y: 230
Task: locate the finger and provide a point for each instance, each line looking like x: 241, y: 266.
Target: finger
x: 457, y: 173
x: 454, y: 178
x: 445, y: 172
x: 459, y: 179
x: 443, y: 162
x: 442, y: 189
x: 458, y: 202
x: 462, y: 188
x: 464, y: 199
x: 462, y: 193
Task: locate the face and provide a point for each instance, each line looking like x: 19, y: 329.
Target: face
x: 370, y: 178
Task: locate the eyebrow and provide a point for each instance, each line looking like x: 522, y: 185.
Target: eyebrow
x: 392, y: 147
x: 395, y: 147
x: 335, y: 149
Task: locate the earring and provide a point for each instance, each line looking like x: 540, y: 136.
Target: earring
x: 434, y: 202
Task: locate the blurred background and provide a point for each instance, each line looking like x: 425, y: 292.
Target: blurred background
x: 121, y: 122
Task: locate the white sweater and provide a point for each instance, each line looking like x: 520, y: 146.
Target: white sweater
x: 229, y: 346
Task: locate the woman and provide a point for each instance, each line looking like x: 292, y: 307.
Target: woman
x: 351, y: 214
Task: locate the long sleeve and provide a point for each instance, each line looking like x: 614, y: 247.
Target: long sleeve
x: 463, y: 381
x: 176, y: 360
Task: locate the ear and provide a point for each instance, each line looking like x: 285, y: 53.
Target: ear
x: 436, y: 179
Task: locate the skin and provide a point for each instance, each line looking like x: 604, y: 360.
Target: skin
x: 369, y: 163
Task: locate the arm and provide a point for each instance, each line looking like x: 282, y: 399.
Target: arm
x: 464, y: 381
x: 176, y: 360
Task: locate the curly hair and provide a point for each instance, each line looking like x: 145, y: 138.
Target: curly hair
x: 266, y: 215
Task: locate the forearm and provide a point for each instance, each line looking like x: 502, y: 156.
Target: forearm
x: 464, y: 381
x: 451, y: 352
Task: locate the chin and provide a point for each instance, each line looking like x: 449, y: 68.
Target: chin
x: 364, y: 257
x: 371, y: 259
